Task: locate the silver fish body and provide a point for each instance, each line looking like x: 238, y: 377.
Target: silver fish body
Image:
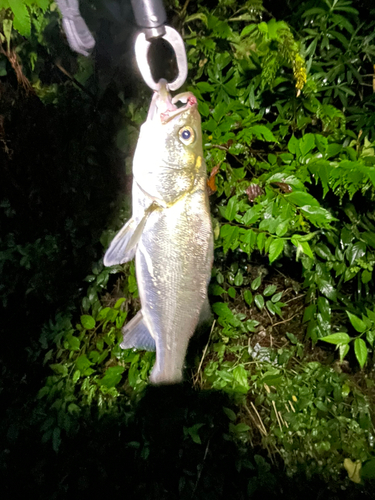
x: 170, y: 234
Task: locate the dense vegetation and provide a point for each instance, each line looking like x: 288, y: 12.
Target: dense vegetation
x: 280, y: 390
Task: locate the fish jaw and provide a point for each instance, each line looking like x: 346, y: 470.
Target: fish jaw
x: 163, y: 107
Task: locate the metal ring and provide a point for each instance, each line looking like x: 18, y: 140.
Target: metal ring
x: 141, y: 50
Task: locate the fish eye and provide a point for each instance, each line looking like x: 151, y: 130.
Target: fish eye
x: 186, y: 135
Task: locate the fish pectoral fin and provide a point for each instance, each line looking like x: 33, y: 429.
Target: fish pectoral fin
x: 124, y: 244
x: 137, y: 335
x: 119, y: 250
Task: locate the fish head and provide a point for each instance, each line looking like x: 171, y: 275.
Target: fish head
x: 173, y: 133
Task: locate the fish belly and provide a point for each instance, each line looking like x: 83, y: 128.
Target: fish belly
x: 173, y: 266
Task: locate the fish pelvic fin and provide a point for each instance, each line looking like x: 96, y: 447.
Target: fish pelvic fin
x: 124, y: 244
x: 136, y: 335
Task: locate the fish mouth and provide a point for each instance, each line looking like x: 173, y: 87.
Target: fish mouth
x: 164, y: 106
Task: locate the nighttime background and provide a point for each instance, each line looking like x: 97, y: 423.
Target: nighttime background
x: 278, y: 398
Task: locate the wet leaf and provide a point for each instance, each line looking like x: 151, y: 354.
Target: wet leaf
x: 269, y: 290
x: 276, y: 248
x: 255, y: 284
x: 259, y: 301
x: 360, y: 350
x: 337, y: 338
x: 87, y: 321
x: 357, y: 323
x: 112, y: 376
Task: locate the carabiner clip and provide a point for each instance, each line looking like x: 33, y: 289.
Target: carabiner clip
x: 150, y: 17
x: 142, y: 46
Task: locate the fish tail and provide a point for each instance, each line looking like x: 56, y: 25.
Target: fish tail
x: 161, y: 377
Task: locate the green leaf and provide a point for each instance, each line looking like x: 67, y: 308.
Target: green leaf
x: 82, y: 363
x: 60, y: 369
x: 216, y: 289
x: 301, y: 198
x: 292, y: 145
x: 73, y: 408
x: 269, y: 290
x: 309, y: 313
x: 87, y: 321
x: 326, y: 288
x: 230, y: 235
x: 248, y: 296
x: 324, y: 309
x: 230, y: 414
x: 368, y: 469
x: 357, y: 323
x: 251, y: 324
x: 232, y: 292
x: 314, y: 10
x: 333, y: 150
x: 370, y: 337
x: 317, y: 215
x: 306, y: 143
x: 240, y: 375
x: 282, y: 228
x: 119, y: 302
x: 292, y: 338
x: 21, y: 21
x: 323, y: 251
x: 271, y: 307
x: 360, y: 350
x: 205, y: 87
x: 241, y: 427
x: 112, y: 376
x: 76, y: 376
x: 276, y: 297
x: 337, y: 338
x: 252, y: 215
x: 261, y: 239
x: 43, y: 4
x: 198, y: 15
x: 255, y: 284
x: 355, y: 252
x: 276, y: 248
x: 238, y: 280
x: 222, y: 309
x: 193, y: 432
x: 369, y: 238
x: 286, y: 179
x: 259, y: 301
x: 321, y: 406
x: 343, y: 351
x: 262, y: 133
x: 232, y: 208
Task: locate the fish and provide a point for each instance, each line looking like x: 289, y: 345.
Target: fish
x: 169, y: 234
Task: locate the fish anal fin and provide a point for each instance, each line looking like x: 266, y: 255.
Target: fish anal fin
x: 136, y: 335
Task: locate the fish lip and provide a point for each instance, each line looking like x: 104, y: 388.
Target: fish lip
x: 163, y: 106
x: 169, y: 114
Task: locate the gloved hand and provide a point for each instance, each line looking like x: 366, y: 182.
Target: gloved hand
x: 79, y: 37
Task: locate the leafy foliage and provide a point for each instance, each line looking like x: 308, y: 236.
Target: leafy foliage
x: 288, y: 143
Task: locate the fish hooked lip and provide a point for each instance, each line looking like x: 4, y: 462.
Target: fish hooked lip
x: 187, y: 97
x: 166, y: 105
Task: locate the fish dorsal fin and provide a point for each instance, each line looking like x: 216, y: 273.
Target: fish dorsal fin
x: 124, y: 244
x: 137, y: 335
